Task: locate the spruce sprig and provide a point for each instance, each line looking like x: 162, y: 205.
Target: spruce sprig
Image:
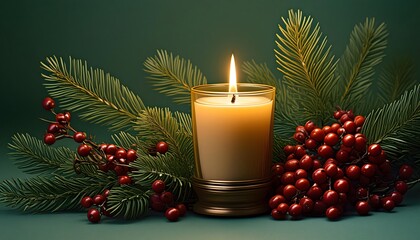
x: 392, y: 126
x: 356, y: 67
x: 167, y: 167
x: 307, y: 65
x: 173, y: 76
x: 128, y: 202
x: 33, y: 156
x: 51, y: 193
x: 100, y: 97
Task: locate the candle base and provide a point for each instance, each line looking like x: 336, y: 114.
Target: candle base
x: 231, y: 198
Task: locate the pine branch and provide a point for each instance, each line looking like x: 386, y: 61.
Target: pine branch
x: 259, y: 73
x: 51, y: 194
x: 395, y: 79
x: 306, y: 64
x: 99, y: 96
x: 173, y: 76
x: 126, y: 140
x: 392, y: 125
x: 356, y: 67
x: 33, y: 156
x: 168, y: 168
x: 129, y: 202
x: 158, y: 124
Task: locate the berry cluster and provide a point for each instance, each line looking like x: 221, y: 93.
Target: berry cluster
x: 96, y: 206
x: 332, y: 168
x: 105, y: 156
x: 162, y: 200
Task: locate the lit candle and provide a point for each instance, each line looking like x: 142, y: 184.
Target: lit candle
x: 233, y: 130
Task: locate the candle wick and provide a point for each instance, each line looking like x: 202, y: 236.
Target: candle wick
x: 233, y: 99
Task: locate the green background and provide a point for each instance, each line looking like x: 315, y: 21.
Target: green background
x: 118, y: 36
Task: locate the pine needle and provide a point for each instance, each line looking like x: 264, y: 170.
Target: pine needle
x: 356, y: 67
x: 393, y: 125
x: 307, y: 65
x: 173, y: 76
x: 100, y: 97
x: 128, y: 202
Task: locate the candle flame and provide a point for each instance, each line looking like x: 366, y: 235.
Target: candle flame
x: 232, y: 77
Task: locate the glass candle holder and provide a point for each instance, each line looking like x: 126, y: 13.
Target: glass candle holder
x: 233, y: 139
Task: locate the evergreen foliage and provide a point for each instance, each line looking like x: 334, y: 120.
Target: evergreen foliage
x: 312, y: 84
x: 100, y: 97
x: 173, y: 76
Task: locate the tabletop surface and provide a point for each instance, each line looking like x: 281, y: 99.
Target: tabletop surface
x: 402, y: 223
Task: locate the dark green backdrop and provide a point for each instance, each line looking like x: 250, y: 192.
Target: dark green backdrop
x: 118, y: 36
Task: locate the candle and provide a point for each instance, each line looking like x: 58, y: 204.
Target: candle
x: 233, y: 130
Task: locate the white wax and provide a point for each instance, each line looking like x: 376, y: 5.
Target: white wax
x: 234, y: 139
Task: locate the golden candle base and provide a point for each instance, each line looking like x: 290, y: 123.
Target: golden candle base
x: 231, y: 198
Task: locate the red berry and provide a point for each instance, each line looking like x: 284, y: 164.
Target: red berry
x: 325, y: 151
x: 397, y: 197
x: 319, y: 208
x: 162, y: 147
x: 319, y: 176
x: 363, y: 208
x: 344, y: 118
x: 124, y: 180
x: 86, y: 202
x: 84, y: 150
x: 301, y: 173
x: 307, y: 204
x: 283, y: 208
x: 342, y: 156
x: 317, y: 134
x: 405, y: 172
x: 330, y: 197
x: 48, y: 103
x: 300, y: 151
x: 310, y: 143
x: 131, y: 155
x: 331, y: 139
x: 111, y: 149
x: 167, y: 197
x: 289, y: 191
x: 79, y: 137
x: 360, y: 144
x: 277, y: 169
x: 337, y: 114
x: 99, y: 199
x: 182, y: 209
x: 288, y: 178
x: 172, y: 214
x: 349, y: 140
x: 291, y: 165
x: 331, y: 169
x: 276, y: 200
x: 302, y: 184
x: 333, y: 213
x: 359, y: 120
x: 289, y: 149
x: 67, y: 115
x: 368, y: 170
x: 295, y: 210
x: 120, y: 153
x: 299, y: 137
x: 388, y: 204
x: 61, y: 118
x: 158, y: 186
x: 374, y: 149
x: 277, y: 215
x: 53, y: 128
x: 401, y: 187
x: 106, y: 193
x: 342, y: 185
x: 309, y: 126
x: 375, y: 201
x: 349, y: 126
x: 314, y: 192
x: 353, y: 172
x: 306, y: 162
x: 49, y: 138
x: 94, y: 215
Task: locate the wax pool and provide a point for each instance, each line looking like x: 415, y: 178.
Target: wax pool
x: 234, y: 139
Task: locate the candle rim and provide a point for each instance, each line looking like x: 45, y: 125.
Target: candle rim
x: 252, y: 89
